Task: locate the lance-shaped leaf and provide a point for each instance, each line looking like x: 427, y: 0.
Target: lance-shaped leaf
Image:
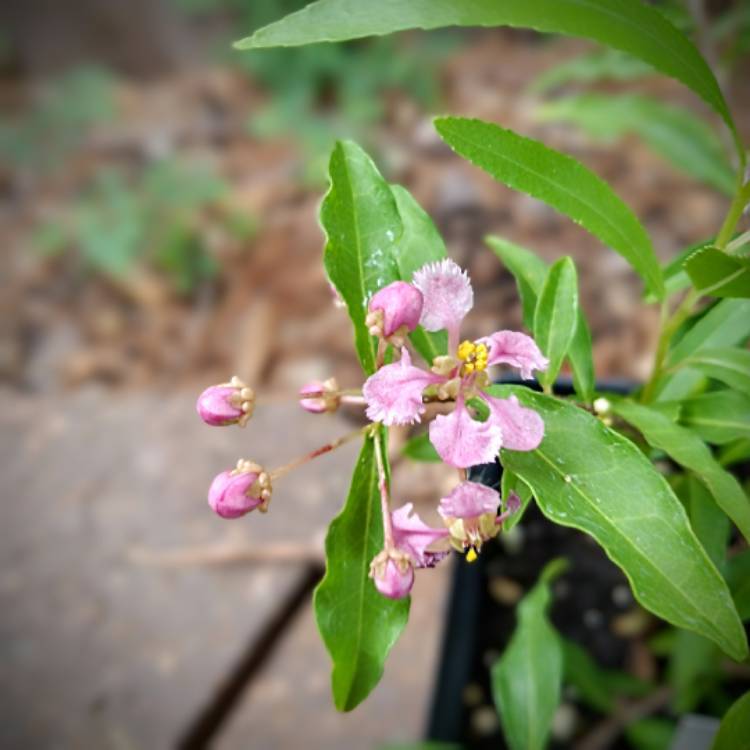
x: 628, y: 25
x: 358, y: 625
x: 419, y: 448
x: 718, y: 417
x: 587, y: 476
x: 734, y: 730
x: 559, y: 180
x: 556, y: 315
x: 362, y: 225
x: 527, y: 679
x: 530, y: 271
x: 717, y: 274
x: 730, y: 365
x: 679, y: 136
x: 727, y: 323
x: 688, y: 450
x: 419, y: 243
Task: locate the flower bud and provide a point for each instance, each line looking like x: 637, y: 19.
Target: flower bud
x: 318, y: 397
x: 393, y: 573
x: 394, y: 311
x: 227, y: 403
x: 234, y: 493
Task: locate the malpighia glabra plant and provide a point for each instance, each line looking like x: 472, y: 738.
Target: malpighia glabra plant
x: 438, y: 298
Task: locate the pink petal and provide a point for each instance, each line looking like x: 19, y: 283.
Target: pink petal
x: 517, y: 350
x: 469, y: 500
x: 394, y: 582
x: 412, y: 535
x: 447, y: 293
x: 522, y: 428
x: 462, y: 441
x: 401, y: 305
x: 394, y: 392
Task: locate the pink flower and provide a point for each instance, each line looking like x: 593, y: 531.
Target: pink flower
x: 237, y: 492
x: 319, y: 397
x: 393, y: 573
x: 225, y: 404
x: 412, y: 535
x: 470, y: 513
x: 395, y: 393
x: 394, y: 311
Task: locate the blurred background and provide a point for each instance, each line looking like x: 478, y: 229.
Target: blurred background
x: 158, y: 201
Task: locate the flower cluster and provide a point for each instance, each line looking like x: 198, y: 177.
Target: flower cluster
x: 400, y: 393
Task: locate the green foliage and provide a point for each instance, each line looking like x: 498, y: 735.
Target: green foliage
x: 734, y: 732
x: 719, y: 417
x: 419, y: 448
x: 419, y: 243
x: 59, y: 117
x: 725, y: 324
x: 509, y: 482
x: 361, y: 237
x: 592, y: 478
x: 679, y: 136
x: 718, y: 274
x: 729, y: 365
x: 527, y: 679
x: 632, y: 27
x: 530, y: 272
x: 560, y: 181
x: 117, y: 224
x: 358, y: 625
x: 592, y: 67
x: 556, y: 315
x: 688, y: 450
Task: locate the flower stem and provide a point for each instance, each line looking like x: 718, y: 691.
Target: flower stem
x: 384, y: 492
x: 327, y: 448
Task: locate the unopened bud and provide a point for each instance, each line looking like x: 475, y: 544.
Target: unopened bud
x: 227, y: 403
x: 237, y: 492
x: 393, y: 573
x: 394, y: 312
x: 318, y: 397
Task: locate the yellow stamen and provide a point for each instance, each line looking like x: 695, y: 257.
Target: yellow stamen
x: 474, y: 356
x: 471, y: 555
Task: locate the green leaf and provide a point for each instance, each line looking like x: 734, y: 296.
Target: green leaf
x: 559, y: 180
x: 362, y: 225
x: 419, y: 448
x: 528, y: 269
x: 556, y: 316
x: 420, y: 243
x: 598, y: 687
x: 709, y: 522
x: 717, y: 274
x: 527, y: 678
x: 689, y: 451
x: 718, y: 417
x: 530, y: 272
x: 692, y: 671
x: 599, y: 65
x: 509, y: 482
x: 734, y: 732
x: 734, y: 452
x: 650, y: 734
x: 726, y: 324
x: 729, y: 365
x: 587, y: 476
x: 626, y: 25
x: 358, y: 625
x: 675, y: 133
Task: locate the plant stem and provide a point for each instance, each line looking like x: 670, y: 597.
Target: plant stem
x: 384, y: 492
x: 735, y: 213
x: 327, y: 448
